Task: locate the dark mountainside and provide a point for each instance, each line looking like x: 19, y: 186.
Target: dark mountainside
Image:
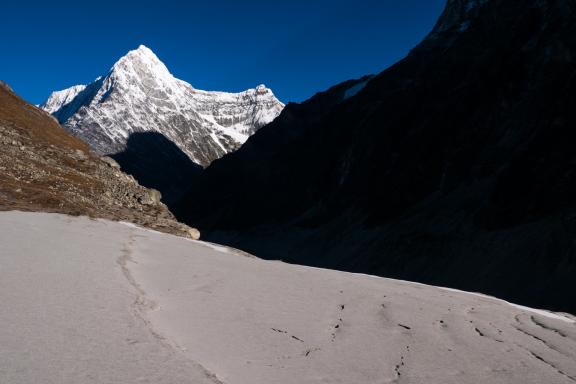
x: 43, y: 168
x: 454, y: 167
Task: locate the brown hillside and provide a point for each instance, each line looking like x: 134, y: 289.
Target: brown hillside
x: 44, y: 168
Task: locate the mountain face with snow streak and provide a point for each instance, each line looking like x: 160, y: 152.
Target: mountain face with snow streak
x: 139, y: 94
x: 59, y: 99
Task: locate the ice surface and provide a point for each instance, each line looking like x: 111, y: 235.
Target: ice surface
x: 90, y: 301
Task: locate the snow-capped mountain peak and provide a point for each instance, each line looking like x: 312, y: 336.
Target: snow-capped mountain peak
x: 139, y: 94
x: 141, y: 62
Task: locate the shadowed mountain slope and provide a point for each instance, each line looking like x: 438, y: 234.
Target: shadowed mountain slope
x: 453, y: 167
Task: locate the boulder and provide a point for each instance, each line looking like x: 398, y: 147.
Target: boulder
x: 151, y: 197
x: 155, y: 196
x: 80, y: 155
x: 193, y: 233
x: 110, y: 162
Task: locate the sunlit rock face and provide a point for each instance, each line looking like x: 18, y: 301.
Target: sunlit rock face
x: 140, y: 95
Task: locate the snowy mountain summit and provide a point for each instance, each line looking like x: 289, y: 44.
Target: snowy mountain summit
x: 139, y: 94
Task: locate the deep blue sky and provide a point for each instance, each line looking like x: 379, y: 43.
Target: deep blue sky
x: 295, y: 47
